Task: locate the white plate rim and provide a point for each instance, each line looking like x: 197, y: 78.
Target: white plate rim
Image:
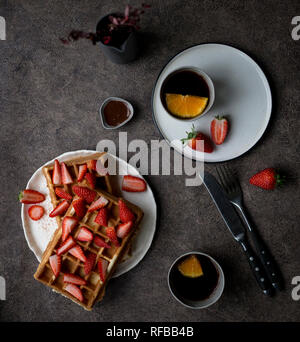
x: 265, y: 83
x: 134, y: 261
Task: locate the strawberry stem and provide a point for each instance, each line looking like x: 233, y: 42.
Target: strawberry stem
x: 190, y: 135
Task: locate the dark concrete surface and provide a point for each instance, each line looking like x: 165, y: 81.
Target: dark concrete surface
x: 50, y: 95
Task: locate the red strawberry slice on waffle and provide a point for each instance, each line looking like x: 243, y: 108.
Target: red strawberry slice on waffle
x: 98, y: 241
x: 92, y: 164
x: 85, y: 193
x: 89, y: 263
x: 85, y: 234
x: 102, y: 267
x: 56, y: 175
x: 111, y: 234
x: 31, y: 197
x: 81, y: 172
x: 60, y: 209
x: 36, y: 212
x: 67, y: 226
x: 77, y: 252
x: 98, y: 204
x: 55, y: 263
x: 91, y: 178
x: 75, y: 291
x: 125, y: 213
x: 65, y: 175
x: 79, y: 207
x: 73, y: 279
x: 101, y: 217
x: 61, y: 193
x: 67, y: 245
x: 123, y: 229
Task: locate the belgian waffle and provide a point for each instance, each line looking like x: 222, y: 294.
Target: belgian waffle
x: 102, y: 183
x: 94, y: 288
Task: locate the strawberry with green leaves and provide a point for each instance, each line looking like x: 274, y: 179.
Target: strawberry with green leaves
x: 194, y: 137
x: 267, y: 179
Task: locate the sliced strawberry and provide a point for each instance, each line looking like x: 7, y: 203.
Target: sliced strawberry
x: 101, y: 217
x: 123, y: 229
x: 61, y: 193
x: 35, y: 212
x: 73, y: 279
x: 68, y: 244
x: 68, y: 224
x: 77, y: 252
x: 60, y: 209
x: 89, y: 264
x: 91, y: 178
x: 111, y: 234
x: 98, y: 204
x: 102, y: 267
x: 98, y: 241
x: 85, y: 234
x: 85, y: 193
x: 31, y: 197
x: 55, y: 263
x: 92, y: 164
x: 75, y: 291
x: 219, y: 129
x: 126, y: 214
x: 79, y: 207
x: 56, y: 175
x: 81, y: 172
x: 65, y: 175
x: 133, y: 184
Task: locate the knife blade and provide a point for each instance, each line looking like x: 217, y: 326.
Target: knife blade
x: 235, y: 226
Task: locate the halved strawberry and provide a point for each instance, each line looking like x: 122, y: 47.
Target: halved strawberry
x: 92, y: 164
x: 125, y: 213
x: 60, y: 192
x: 84, y: 234
x: 31, y: 197
x: 91, y: 178
x: 102, y: 267
x: 81, y: 172
x: 192, y: 139
x: 73, y: 279
x: 56, y: 174
x: 85, y: 193
x: 77, y: 252
x: 133, y: 184
x: 68, y: 224
x: 35, y: 212
x: 75, y: 291
x: 111, y: 234
x: 98, y: 241
x: 98, y: 204
x: 68, y: 244
x: 60, y: 209
x: 101, y: 217
x: 65, y: 175
x: 123, y: 229
x: 79, y: 207
x: 219, y: 129
x: 55, y: 263
x: 89, y: 264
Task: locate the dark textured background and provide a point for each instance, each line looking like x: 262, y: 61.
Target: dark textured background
x: 50, y: 95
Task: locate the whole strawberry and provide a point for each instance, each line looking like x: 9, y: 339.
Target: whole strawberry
x: 193, y: 137
x: 267, y: 179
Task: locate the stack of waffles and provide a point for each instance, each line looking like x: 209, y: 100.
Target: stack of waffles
x: 94, y: 231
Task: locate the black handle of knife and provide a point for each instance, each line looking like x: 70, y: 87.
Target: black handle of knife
x: 268, y: 262
x: 257, y: 269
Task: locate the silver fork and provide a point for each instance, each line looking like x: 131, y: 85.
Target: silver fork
x: 233, y: 189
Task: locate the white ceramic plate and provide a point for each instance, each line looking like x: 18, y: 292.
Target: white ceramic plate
x: 39, y: 233
x: 242, y: 94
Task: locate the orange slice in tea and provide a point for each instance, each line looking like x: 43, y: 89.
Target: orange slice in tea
x: 191, y: 267
x: 186, y: 106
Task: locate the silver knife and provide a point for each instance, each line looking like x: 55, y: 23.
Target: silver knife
x: 235, y: 226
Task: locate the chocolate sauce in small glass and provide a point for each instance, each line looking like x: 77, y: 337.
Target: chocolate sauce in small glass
x: 115, y: 112
x: 198, y: 288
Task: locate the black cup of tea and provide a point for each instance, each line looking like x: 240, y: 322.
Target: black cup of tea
x: 196, y: 280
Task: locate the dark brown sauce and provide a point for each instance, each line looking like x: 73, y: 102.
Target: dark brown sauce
x: 198, y: 288
x: 115, y: 112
